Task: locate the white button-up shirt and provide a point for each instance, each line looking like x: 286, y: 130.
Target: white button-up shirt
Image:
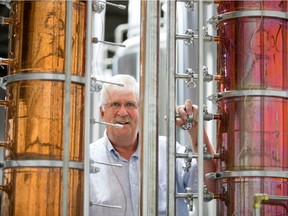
x: 115, y: 190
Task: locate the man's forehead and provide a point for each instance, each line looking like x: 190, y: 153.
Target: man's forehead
x: 122, y: 96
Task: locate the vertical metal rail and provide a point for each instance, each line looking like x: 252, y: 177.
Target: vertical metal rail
x: 67, y: 92
x: 200, y: 113
x: 171, y: 127
x: 87, y: 109
x: 149, y: 107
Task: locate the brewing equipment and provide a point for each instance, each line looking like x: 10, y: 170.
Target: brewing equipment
x: 35, y: 97
x: 251, y: 103
x: 251, y: 100
x: 252, y: 136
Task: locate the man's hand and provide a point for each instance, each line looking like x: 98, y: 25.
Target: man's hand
x: 187, y: 114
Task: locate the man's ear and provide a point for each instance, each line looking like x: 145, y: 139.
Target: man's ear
x: 101, y: 112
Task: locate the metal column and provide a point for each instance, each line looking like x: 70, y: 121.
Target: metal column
x: 200, y: 113
x: 87, y: 110
x: 149, y: 107
x: 171, y: 62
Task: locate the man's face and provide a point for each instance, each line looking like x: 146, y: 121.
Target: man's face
x: 121, y: 108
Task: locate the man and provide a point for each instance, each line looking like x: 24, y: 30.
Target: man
x: 115, y: 190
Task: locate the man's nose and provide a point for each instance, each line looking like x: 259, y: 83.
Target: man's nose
x: 122, y: 110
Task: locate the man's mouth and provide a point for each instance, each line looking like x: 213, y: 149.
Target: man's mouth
x: 122, y: 122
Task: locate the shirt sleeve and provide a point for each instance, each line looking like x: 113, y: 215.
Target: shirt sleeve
x: 185, y: 178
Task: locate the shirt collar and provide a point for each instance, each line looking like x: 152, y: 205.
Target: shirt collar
x: 113, y: 151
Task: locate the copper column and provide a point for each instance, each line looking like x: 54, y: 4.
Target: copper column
x: 253, y: 101
x: 34, y: 123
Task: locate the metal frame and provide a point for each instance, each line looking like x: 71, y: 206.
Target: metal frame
x: 148, y: 136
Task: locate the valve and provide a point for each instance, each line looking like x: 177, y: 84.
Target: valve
x: 213, y: 175
x: 95, y: 85
x: 190, y: 37
x: 208, y: 37
x: 190, y: 76
x: 206, y: 76
x: 206, y: 115
x: 207, y: 196
x: 98, y: 6
x: 188, y: 123
x: 190, y: 80
x: 189, y: 198
x: 188, y: 159
x: 209, y: 116
x: 189, y: 5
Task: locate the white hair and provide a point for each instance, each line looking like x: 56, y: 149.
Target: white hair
x: 129, y: 82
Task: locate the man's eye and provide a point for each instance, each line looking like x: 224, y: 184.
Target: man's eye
x: 115, y: 105
x: 130, y: 105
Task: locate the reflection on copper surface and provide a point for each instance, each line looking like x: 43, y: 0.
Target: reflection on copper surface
x: 35, y: 122
x: 35, y: 111
x: 253, y: 66
x: 38, y: 37
x: 253, y: 132
x: 38, y: 191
